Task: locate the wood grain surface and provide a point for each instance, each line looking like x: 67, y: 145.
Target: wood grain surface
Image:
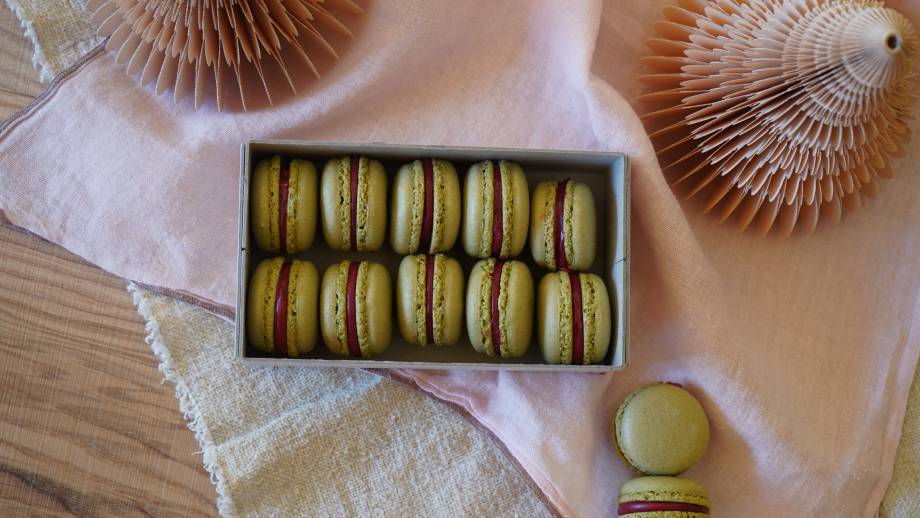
x: 86, y: 426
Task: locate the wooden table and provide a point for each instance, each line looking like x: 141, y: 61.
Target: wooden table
x: 86, y: 426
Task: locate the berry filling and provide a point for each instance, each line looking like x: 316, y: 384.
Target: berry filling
x: 427, y: 207
x: 660, y: 507
x: 429, y: 299
x: 562, y: 262
x: 279, y: 334
x: 351, y: 319
x: 493, y: 307
x: 497, y: 213
x: 284, y: 183
x: 354, y: 202
x: 578, y: 323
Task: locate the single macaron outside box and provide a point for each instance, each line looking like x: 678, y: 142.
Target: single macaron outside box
x: 425, y: 207
x: 284, y: 205
x: 563, y: 226
x: 661, y: 429
x: 356, y: 308
x: 429, y: 299
x: 573, y: 318
x: 662, y: 497
x: 281, y: 312
x: 496, y: 209
x: 353, y: 203
x: 499, y: 308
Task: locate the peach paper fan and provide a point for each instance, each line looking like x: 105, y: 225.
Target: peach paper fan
x: 186, y: 44
x: 780, y: 112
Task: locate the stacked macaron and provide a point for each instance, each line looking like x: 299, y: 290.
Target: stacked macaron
x: 499, y: 295
x: 430, y: 299
x: 281, y: 315
x: 661, y: 430
x: 573, y: 309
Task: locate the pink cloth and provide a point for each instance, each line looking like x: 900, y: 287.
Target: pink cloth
x: 802, y: 350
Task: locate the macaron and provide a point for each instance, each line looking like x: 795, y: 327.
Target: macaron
x: 429, y: 299
x: 496, y: 209
x: 356, y: 306
x: 281, y: 314
x: 661, y: 429
x: 662, y: 497
x: 563, y: 226
x: 573, y: 318
x: 354, y: 205
x: 499, y: 308
x: 425, y: 208
x: 283, y: 204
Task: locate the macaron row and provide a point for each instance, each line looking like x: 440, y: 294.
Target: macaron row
x: 289, y: 307
x: 425, y: 210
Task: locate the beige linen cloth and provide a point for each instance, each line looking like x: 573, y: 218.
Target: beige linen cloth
x: 550, y: 37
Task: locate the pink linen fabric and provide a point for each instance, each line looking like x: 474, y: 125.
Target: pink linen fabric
x: 802, y: 350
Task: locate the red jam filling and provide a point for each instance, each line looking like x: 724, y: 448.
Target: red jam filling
x: 493, y: 307
x: 284, y: 183
x: 428, y: 207
x: 578, y: 323
x: 351, y: 319
x: 281, y: 309
x: 562, y: 262
x: 354, y: 202
x: 497, y: 213
x: 660, y: 507
x: 429, y: 299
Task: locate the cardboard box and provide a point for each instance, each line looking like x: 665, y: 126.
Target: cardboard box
x: 607, y: 174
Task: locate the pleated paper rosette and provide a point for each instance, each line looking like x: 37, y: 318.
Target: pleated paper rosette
x: 184, y: 45
x: 779, y: 113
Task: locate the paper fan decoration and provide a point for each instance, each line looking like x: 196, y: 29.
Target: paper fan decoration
x: 780, y: 112
x: 185, y: 44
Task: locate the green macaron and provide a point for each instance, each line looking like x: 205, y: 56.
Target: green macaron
x: 662, y: 497
x: 661, y: 429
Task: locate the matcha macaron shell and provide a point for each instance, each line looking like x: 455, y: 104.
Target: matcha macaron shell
x: 425, y: 207
x: 502, y: 289
x: 661, y: 429
x: 356, y: 308
x: 353, y: 204
x: 563, y: 226
x: 662, y: 497
x: 495, y: 216
x: 430, y: 285
x: 271, y: 209
x: 558, y: 319
x: 289, y: 327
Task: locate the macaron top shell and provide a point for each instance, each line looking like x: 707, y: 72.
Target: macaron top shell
x: 425, y: 208
x: 353, y: 204
x: 495, y: 215
x: 284, y: 195
x: 437, y: 292
x: 663, y: 497
x: 563, y: 226
x: 511, y: 301
x: 661, y: 429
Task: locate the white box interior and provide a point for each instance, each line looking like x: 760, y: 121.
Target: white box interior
x: 607, y: 174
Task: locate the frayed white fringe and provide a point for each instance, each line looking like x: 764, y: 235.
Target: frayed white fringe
x: 187, y: 404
